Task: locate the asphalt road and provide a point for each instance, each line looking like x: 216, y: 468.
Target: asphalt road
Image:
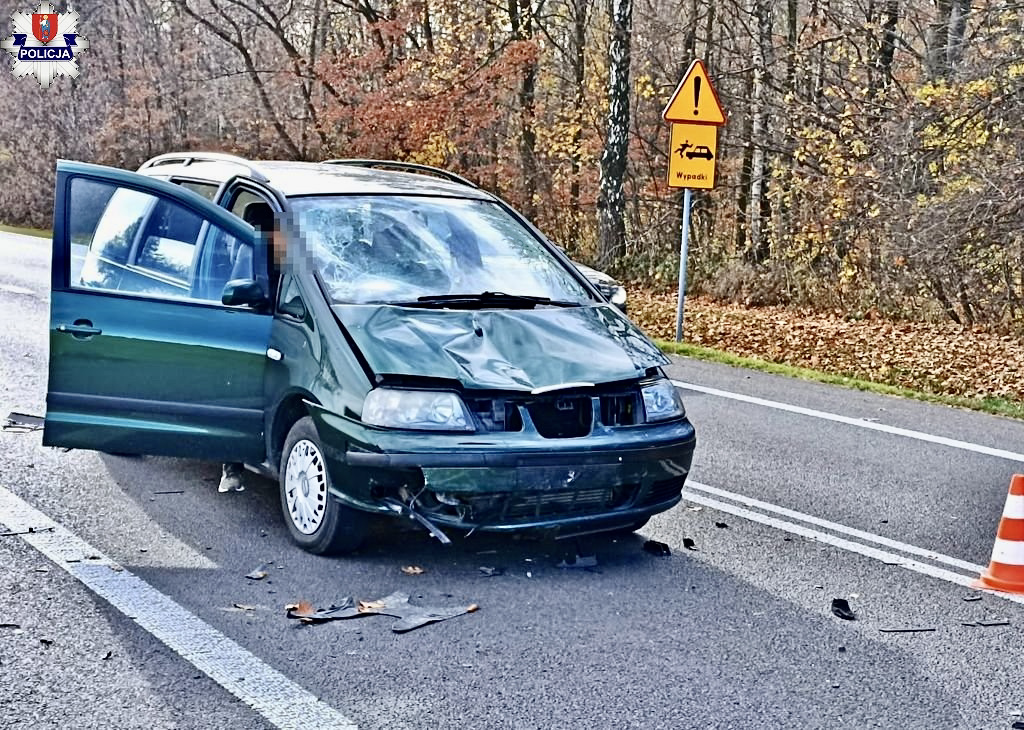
x: 736, y: 633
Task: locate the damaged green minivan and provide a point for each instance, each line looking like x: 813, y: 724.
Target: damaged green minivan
x: 381, y: 337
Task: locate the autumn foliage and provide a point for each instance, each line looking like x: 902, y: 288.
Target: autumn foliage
x: 871, y: 161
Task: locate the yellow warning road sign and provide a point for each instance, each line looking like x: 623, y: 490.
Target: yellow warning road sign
x: 692, y: 155
x: 695, y: 100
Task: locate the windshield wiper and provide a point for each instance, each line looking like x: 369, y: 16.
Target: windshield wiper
x: 485, y: 298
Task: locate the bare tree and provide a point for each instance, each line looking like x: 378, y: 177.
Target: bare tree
x: 612, y: 201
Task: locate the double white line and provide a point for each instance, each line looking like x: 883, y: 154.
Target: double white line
x: 890, y: 552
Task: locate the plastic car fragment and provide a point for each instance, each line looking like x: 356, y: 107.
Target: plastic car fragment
x: 581, y: 561
x: 395, y: 605
x: 657, y: 548
x: 841, y: 608
x: 412, y: 514
x: 22, y: 422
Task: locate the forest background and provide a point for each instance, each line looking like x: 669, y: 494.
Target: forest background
x: 870, y: 171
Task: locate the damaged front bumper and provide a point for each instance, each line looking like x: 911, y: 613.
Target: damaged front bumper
x: 614, y: 477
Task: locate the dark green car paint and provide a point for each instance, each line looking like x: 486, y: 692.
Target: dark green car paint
x: 503, y: 349
x: 209, y: 381
x: 160, y: 376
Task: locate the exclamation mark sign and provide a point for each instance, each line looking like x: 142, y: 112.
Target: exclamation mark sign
x: 696, y: 96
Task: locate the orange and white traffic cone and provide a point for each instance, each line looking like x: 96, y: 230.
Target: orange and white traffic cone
x: 1006, y: 571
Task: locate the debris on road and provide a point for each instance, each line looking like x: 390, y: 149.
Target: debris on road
x: 244, y: 607
x: 694, y: 508
x: 29, y: 531
x: 171, y: 491
x: 906, y: 629
x: 491, y: 572
x: 395, y: 605
x: 22, y: 423
x: 689, y: 544
x: 657, y: 548
x: 10, y: 626
x: 413, y: 570
x: 972, y: 597
x: 259, y: 574
x: 722, y: 525
x: 987, y: 622
x: 841, y: 608
x: 46, y: 642
x: 108, y: 655
x: 581, y: 561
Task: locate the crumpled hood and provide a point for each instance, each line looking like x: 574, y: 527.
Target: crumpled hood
x: 506, y: 349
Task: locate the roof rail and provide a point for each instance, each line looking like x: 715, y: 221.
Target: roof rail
x: 406, y: 167
x: 187, y: 158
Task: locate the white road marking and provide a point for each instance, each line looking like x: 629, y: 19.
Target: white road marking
x: 858, y: 422
x: 855, y: 547
x: 836, y: 527
x: 279, y: 700
x: 15, y: 289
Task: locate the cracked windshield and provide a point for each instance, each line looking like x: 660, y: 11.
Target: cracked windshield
x: 373, y: 249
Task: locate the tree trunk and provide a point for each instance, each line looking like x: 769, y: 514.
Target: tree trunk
x: 521, y: 19
x: 937, y: 39
x: 580, y: 11
x: 758, y: 250
x: 611, y: 203
x: 955, y: 36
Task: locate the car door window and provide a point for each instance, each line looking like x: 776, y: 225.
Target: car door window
x: 142, y: 244
x: 207, y: 190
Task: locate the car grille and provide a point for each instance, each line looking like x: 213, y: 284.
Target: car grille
x: 558, y: 416
x: 663, y: 491
x: 527, y: 506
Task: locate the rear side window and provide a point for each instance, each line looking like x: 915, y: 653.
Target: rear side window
x: 207, y: 190
x: 134, y: 242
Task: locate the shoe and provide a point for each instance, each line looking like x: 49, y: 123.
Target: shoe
x: 231, y: 479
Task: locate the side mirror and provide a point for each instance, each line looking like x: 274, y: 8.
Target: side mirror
x: 239, y: 292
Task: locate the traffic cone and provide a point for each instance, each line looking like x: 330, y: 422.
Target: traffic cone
x: 1006, y: 571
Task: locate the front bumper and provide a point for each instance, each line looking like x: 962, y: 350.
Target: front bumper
x: 511, y: 481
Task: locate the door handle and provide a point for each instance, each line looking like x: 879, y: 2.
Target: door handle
x: 82, y: 329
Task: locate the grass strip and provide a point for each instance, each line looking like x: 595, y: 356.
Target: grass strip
x: 996, y: 406
x: 25, y: 231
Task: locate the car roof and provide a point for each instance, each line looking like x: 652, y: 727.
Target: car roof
x: 293, y: 179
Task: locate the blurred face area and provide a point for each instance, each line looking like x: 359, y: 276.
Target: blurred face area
x: 278, y: 247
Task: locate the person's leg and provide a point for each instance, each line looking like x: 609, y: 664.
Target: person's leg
x: 231, y: 478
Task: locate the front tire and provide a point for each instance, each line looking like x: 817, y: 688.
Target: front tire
x: 318, y: 523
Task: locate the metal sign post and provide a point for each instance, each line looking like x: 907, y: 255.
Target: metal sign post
x: 683, y: 252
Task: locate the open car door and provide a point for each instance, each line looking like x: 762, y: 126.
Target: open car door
x: 144, y: 356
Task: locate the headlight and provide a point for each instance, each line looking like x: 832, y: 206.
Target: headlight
x: 661, y: 401
x: 618, y: 296
x: 416, y: 409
